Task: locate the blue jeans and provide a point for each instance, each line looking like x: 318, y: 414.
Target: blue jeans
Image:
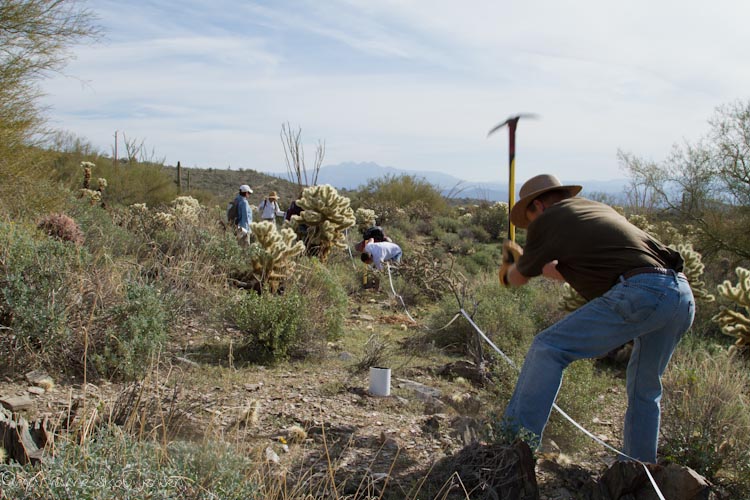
x: 654, y: 311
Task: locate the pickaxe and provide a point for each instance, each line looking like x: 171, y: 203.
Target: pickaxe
x: 512, y: 123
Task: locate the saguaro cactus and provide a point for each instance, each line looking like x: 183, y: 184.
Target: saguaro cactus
x: 736, y: 323
x: 326, y: 214
x: 272, y: 256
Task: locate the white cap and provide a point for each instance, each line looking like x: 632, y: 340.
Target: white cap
x: 245, y: 189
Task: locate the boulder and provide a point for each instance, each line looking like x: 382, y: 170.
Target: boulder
x: 629, y: 480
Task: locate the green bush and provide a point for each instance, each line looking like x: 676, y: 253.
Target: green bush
x: 134, y: 332
x: 502, y: 314
x: 112, y: 465
x: 582, y: 385
x: 325, y: 304
x: 705, y: 419
x: 394, y: 198
x: 493, y: 218
x: 35, y: 293
x: 271, y: 324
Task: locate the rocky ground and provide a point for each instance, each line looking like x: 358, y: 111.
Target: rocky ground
x: 305, y: 420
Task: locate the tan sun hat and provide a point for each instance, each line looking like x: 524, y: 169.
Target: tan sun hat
x: 531, y: 189
x: 272, y: 196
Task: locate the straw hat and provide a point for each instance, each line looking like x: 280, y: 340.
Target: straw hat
x: 272, y: 196
x: 533, y: 188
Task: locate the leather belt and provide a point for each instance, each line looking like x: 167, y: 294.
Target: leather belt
x: 647, y: 270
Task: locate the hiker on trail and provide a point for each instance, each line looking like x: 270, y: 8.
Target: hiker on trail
x: 635, y: 291
x: 269, y: 208
x: 375, y: 233
x: 244, y: 215
x: 376, y: 253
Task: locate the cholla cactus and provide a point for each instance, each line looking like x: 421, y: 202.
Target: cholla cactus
x: 570, y: 300
x: 694, y: 271
x: 365, y: 219
x: 186, y: 209
x: 736, y: 323
x: 326, y: 214
x: 87, y: 168
x: 272, y: 260
x: 642, y: 222
x: 102, y: 183
x: 92, y: 196
x: 163, y: 219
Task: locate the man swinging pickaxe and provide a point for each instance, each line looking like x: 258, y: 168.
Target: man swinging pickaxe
x: 511, y: 250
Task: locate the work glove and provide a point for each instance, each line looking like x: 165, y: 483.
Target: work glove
x: 512, y: 251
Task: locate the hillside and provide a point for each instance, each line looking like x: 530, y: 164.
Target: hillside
x: 225, y: 183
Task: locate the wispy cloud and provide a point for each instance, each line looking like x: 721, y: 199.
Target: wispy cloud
x: 410, y: 84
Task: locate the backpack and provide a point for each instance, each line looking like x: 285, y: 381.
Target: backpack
x: 233, y: 216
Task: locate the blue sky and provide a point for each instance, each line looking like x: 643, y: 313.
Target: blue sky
x: 410, y: 84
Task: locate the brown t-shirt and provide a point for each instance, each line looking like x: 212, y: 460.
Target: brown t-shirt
x: 593, y: 245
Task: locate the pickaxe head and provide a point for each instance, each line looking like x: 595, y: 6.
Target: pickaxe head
x: 511, y: 122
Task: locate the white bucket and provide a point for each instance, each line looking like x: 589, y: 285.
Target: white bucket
x: 380, y: 381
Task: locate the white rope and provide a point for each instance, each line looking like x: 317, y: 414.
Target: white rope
x: 565, y: 415
x: 554, y: 405
x: 349, y: 248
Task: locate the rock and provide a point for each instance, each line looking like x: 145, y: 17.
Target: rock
x: 629, y: 480
x: 37, y: 391
x: 186, y: 361
x: 24, y: 443
x: 423, y: 392
x: 478, y: 375
x: 271, y: 456
x: 16, y: 403
x: 363, y: 317
x: 41, y: 379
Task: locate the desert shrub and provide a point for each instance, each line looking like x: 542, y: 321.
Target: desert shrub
x: 135, y: 331
x: 582, y: 385
x: 102, y: 235
x: 406, y: 191
x: 271, y: 324
x: 493, y: 218
x: 705, y: 419
x: 325, y: 304
x: 501, y: 313
x: 113, y: 465
x: 34, y: 293
x: 448, y: 224
x: 482, y: 259
x: 62, y: 227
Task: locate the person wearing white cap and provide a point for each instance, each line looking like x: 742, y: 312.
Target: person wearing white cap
x: 635, y: 291
x: 244, y: 214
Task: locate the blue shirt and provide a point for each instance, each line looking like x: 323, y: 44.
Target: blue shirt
x: 244, y: 212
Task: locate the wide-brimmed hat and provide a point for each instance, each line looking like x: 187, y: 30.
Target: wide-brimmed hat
x: 272, y: 196
x: 245, y: 189
x: 533, y: 188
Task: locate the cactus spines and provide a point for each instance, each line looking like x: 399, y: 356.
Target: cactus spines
x: 87, y: 167
x: 693, y: 269
x: 570, y: 300
x: 736, y: 323
x: 365, y: 218
x: 326, y: 214
x: 272, y: 260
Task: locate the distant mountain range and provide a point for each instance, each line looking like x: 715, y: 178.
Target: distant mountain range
x: 352, y: 175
